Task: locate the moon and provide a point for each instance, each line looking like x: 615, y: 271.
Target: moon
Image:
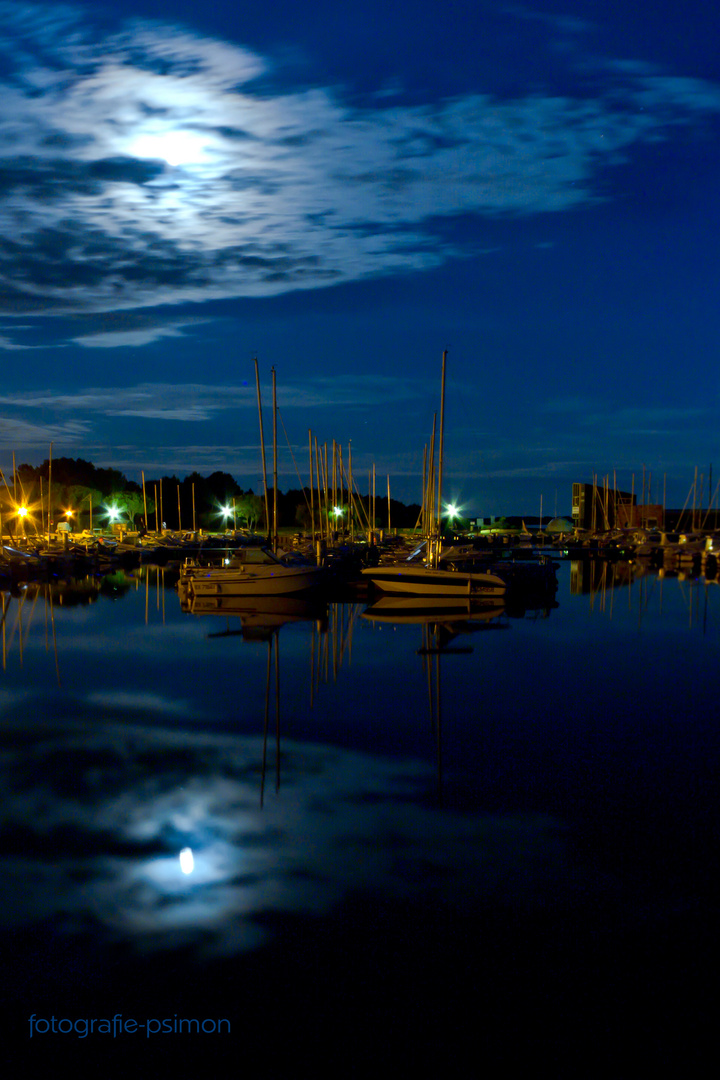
x: 176, y: 147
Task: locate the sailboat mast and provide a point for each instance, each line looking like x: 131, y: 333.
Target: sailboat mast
x: 262, y: 448
x: 430, y: 496
x: 312, y: 489
x: 440, y: 443
x: 275, y: 462
x: 49, y: 493
x: 351, y: 499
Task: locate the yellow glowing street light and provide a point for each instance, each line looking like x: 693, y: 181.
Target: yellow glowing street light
x: 22, y: 512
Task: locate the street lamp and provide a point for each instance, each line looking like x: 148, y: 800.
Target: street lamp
x: 22, y: 512
x: 113, y: 514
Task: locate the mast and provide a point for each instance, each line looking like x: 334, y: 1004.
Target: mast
x: 694, y: 495
x: 373, y: 500
x: 430, y: 494
x: 324, y: 461
x: 49, y: 492
x: 312, y: 489
x: 351, y: 499
x: 275, y: 462
x: 318, y: 474
x: 341, y: 488
x: 440, y: 444
x: 142, y: 474
x: 262, y: 449
x: 423, y: 508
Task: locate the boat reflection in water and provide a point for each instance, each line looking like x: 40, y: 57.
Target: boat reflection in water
x: 563, y: 879
x: 442, y: 618
x: 259, y: 616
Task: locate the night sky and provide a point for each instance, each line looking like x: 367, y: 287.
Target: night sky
x: 344, y: 191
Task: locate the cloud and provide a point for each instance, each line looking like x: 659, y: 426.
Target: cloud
x: 199, y: 402
x: 11, y: 346
x: 143, y: 165
x: 646, y: 420
x: 136, y: 702
x: 114, y: 339
x: 18, y: 432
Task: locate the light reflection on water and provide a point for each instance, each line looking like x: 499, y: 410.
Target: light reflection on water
x: 561, y: 768
x: 107, y: 811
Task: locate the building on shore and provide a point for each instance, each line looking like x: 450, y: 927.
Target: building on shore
x: 597, y: 507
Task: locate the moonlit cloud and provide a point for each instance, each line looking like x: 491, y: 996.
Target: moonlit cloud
x: 114, y: 339
x: 198, y: 402
x: 17, y: 432
x: 139, y: 702
x: 11, y: 346
x: 142, y: 166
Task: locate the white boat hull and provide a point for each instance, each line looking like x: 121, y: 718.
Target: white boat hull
x: 423, y: 581
x: 278, y: 581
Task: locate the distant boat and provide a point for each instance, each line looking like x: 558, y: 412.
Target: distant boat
x: 251, y: 571
x: 430, y: 579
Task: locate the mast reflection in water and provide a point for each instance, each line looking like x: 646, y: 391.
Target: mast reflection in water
x: 559, y: 875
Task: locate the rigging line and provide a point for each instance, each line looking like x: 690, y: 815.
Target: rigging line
x: 712, y: 500
x: 302, y: 486
x: 345, y: 478
x: 366, y: 513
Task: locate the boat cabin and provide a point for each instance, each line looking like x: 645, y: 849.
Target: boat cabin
x: 251, y: 556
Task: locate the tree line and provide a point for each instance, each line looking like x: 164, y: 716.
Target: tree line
x: 213, y: 502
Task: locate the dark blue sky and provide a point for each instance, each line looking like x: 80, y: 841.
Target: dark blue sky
x: 345, y: 192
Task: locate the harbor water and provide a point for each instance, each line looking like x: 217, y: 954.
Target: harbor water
x: 333, y: 839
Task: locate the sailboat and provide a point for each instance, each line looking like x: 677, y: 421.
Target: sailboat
x: 431, y: 579
x: 417, y: 580
x: 254, y: 571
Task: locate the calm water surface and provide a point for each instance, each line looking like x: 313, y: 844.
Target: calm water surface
x: 359, y: 837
